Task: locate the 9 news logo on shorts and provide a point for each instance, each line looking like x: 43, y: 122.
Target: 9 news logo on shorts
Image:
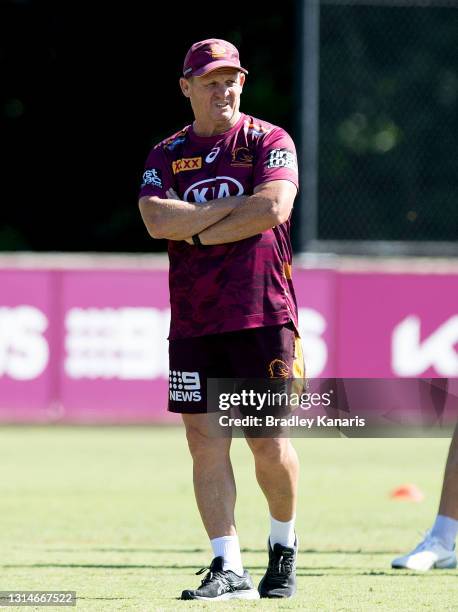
x: 184, y: 386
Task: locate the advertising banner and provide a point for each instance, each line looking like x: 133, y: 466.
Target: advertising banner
x: 90, y: 345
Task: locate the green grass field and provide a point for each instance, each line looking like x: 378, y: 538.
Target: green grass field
x: 109, y: 513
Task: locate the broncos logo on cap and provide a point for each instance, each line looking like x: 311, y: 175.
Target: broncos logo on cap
x: 217, y: 50
x: 278, y: 369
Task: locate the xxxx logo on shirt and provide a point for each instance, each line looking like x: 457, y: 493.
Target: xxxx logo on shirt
x: 187, y: 163
x: 212, y: 189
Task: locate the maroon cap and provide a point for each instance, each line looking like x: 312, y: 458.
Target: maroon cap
x: 210, y: 54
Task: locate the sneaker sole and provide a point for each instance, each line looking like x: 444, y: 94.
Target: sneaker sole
x: 447, y: 564
x: 251, y: 594
x: 286, y: 595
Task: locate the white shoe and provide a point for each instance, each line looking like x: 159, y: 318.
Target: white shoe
x: 429, y: 554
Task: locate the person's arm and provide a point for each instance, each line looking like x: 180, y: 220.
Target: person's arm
x: 270, y: 205
x: 175, y: 219
x: 162, y: 211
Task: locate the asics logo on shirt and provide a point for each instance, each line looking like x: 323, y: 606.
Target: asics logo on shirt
x: 212, y: 155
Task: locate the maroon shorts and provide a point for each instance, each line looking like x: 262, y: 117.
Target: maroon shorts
x: 258, y: 353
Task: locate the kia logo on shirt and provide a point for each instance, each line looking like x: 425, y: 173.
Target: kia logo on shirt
x: 212, y: 189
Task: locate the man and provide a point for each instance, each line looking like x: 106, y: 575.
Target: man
x: 437, y: 550
x: 221, y: 191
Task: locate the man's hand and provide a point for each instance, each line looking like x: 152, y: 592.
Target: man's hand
x: 172, y: 195
x: 219, y: 221
x: 175, y: 219
x: 269, y: 206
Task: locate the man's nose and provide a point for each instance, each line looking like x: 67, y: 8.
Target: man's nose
x: 221, y: 90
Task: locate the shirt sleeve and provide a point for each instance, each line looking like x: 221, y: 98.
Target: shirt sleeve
x: 157, y: 176
x: 276, y: 159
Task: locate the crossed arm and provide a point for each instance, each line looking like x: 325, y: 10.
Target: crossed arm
x: 222, y: 220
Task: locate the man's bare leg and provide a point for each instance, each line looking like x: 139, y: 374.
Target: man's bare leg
x: 214, y: 483
x: 437, y: 549
x: 277, y: 472
x: 215, y: 492
x: 449, y: 498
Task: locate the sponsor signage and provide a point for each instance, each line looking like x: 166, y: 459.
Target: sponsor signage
x: 91, y: 345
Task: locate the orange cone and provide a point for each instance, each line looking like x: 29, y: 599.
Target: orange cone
x: 408, y: 492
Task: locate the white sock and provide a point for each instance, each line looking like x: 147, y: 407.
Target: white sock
x: 228, y: 547
x: 445, y: 529
x: 282, y: 532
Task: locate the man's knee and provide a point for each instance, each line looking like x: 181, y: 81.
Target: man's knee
x: 199, y: 442
x: 270, y: 450
x: 202, y: 441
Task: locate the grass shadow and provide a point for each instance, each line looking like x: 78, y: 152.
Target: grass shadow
x: 307, y: 551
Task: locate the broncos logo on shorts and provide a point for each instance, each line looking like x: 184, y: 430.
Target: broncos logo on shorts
x: 278, y: 369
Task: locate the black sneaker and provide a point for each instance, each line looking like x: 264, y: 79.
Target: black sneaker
x: 280, y: 577
x: 219, y: 584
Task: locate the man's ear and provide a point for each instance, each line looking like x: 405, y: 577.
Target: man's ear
x: 242, y: 79
x: 185, y: 87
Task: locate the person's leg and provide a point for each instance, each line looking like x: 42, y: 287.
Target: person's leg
x: 191, y: 364
x: 448, y: 505
x: 214, y: 488
x: 445, y: 527
x: 215, y: 492
x: 437, y: 549
x: 214, y: 483
x: 266, y: 359
x: 277, y: 472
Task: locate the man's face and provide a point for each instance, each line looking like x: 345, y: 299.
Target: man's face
x: 215, y: 96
